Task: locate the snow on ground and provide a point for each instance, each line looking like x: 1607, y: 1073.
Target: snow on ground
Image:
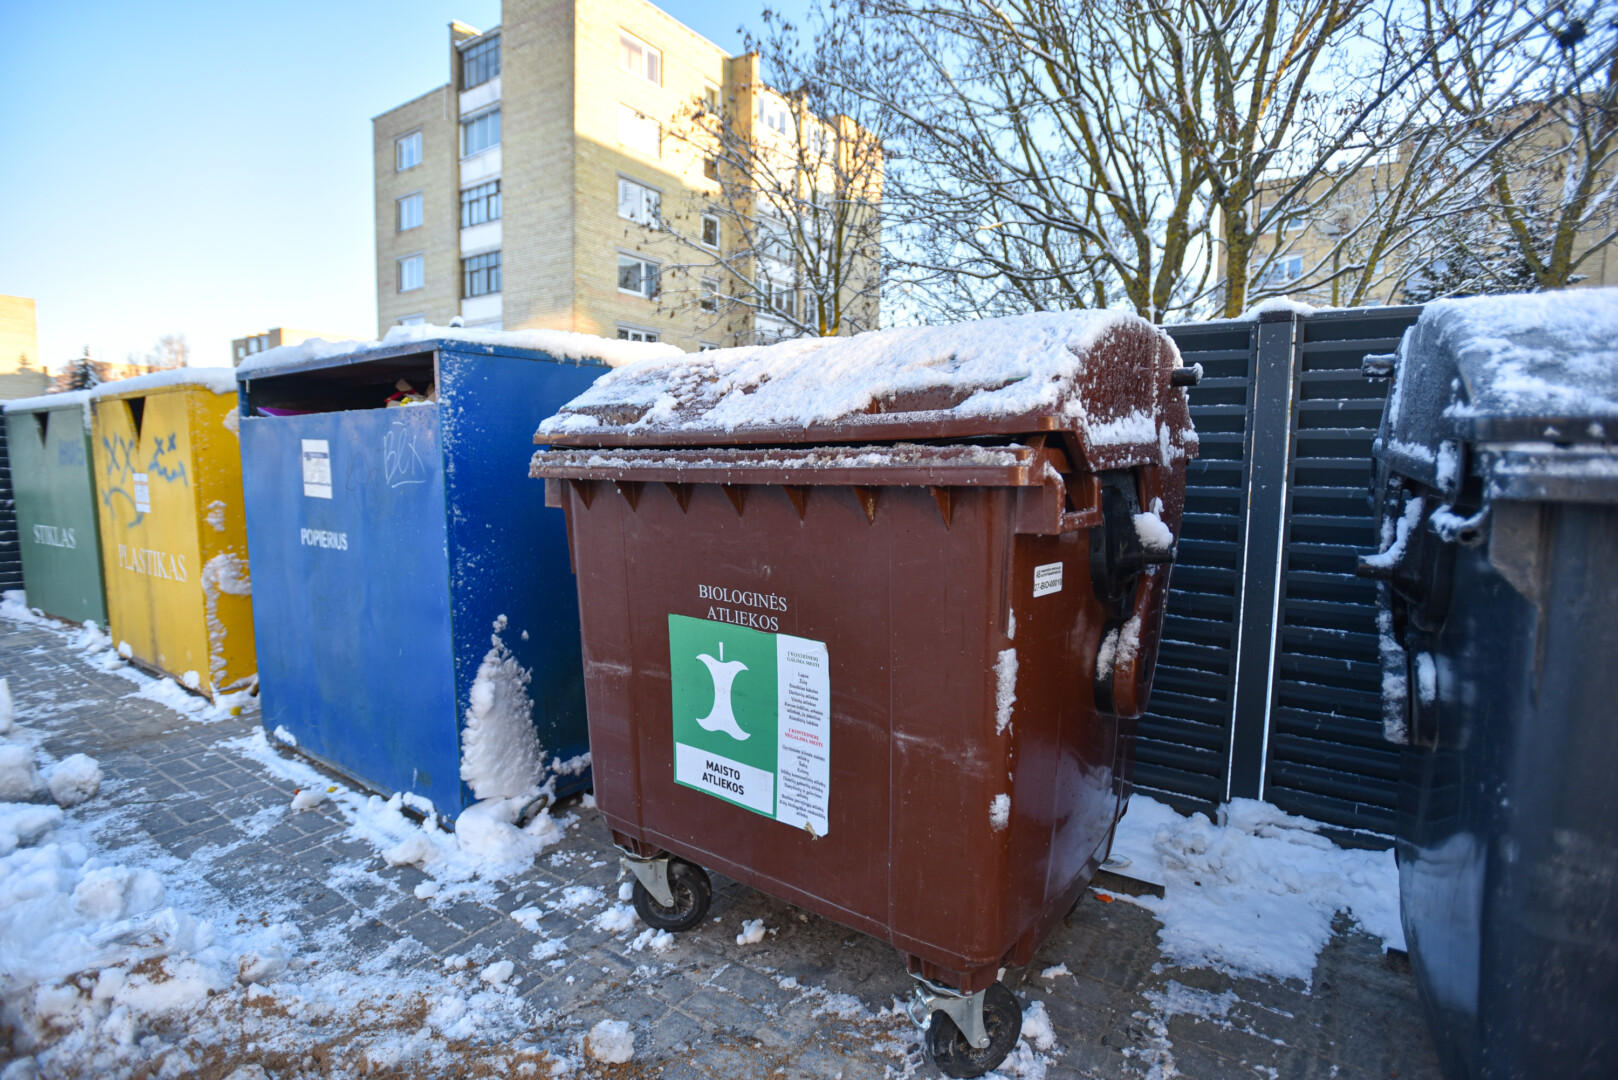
x: 1254, y: 893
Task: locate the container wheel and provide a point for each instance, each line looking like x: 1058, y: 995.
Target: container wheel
x: 954, y: 1056
x: 692, y: 895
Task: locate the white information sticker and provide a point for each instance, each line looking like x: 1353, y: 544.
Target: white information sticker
x: 1047, y: 579
x: 143, y: 494
x: 316, y: 468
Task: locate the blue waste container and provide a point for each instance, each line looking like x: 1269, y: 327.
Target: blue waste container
x: 1498, y: 484
x: 415, y: 612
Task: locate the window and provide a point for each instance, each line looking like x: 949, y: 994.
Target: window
x: 710, y: 168
x: 1293, y: 224
x: 413, y: 320
x: 407, y: 152
x: 773, y: 114
x: 710, y: 231
x: 1284, y: 270
x: 480, y: 63
x: 412, y: 272
x: 639, y: 203
x: 480, y: 275
x: 480, y: 204
x: 639, y: 132
x: 710, y: 98
x: 706, y: 346
x: 629, y: 333
x: 410, y: 212
x: 778, y: 298
x: 639, y: 58
x: 637, y: 276
x: 709, y: 298
x: 480, y: 133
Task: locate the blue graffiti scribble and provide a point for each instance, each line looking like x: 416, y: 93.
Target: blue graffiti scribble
x: 121, y: 459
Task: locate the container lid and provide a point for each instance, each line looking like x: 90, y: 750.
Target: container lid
x: 1101, y: 378
x: 559, y: 344
x: 48, y: 401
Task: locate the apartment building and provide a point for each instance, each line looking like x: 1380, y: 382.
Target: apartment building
x: 243, y: 347
x: 528, y: 191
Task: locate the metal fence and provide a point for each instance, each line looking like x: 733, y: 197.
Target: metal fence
x: 1267, y: 681
x: 10, y: 553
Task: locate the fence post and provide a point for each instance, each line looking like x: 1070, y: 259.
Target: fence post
x: 1269, y: 434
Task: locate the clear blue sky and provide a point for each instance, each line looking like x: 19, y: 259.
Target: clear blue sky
x: 205, y: 169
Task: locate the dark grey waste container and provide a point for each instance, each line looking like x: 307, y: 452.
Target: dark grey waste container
x: 1497, y: 478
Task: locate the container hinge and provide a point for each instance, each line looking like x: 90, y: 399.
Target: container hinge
x: 965, y: 1010
x: 653, y: 874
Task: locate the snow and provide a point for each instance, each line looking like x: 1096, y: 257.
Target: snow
x: 1153, y: 534
x: 498, y: 972
x: 1394, y: 547
x: 1279, y: 304
x: 1118, y: 647
x: 47, y: 401
x: 7, y: 710
x: 1254, y: 893
x: 219, y: 380
x: 224, y: 573
x: 561, y: 344
x: 307, y: 798
x: 752, y: 932
x: 1426, y: 678
x: 611, y: 1042
x: 1055, y: 971
x: 616, y: 919
x: 73, y: 780
x: 19, y: 779
x: 500, y: 752
x: 1036, y: 1026
x: 1395, y: 679
x: 1005, y: 689
x: 993, y: 368
x: 1000, y: 812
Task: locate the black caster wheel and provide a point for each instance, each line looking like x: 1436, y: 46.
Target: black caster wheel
x: 954, y: 1056
x: 692, y: 895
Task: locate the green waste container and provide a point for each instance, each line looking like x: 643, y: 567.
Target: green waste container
x: 49, y: 442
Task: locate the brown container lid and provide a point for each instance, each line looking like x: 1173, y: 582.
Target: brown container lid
x: 1101, y: 380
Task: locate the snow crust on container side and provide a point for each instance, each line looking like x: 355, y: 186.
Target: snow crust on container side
x: 1534, y: 354
x: 501, y: 757
x: 1005, y: 367
x: 1005, y: 689
x: 562, y: 344
x: 1394, y: 546
x: 219, y: 380
x: 1253, y: 892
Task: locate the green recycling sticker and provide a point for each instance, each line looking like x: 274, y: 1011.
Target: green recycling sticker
x: 752, y: 719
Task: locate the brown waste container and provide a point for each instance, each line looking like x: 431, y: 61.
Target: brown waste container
x: 866, y: 622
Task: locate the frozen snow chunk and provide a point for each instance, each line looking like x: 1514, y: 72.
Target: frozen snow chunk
x: 19, y: 780
x: 124, y: 650
x: 22, y: 824
x: 577, y: 896
x: 611, y: 1042
x: 1055, y: 971
x: 282, y: 735
x: 1000, y: 811
x: 260, y: 965
x: 308, y: 798
x: 616, y: 919
x: 1036, y: 1026
x: 7, y: 712
x: 73, y: 779
x: 659, y: 941
x: 110, y: 893
x: 498, y: 972
x: 528, y: 918
x: 1153, y: 534
x: 1005, y: 689
x: 417, y: 850
x: 752, y: 932
x: 426, y: 890
x: 626, y: 891
x: 192, y: 680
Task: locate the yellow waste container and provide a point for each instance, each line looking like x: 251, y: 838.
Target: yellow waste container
x: 168, y: 473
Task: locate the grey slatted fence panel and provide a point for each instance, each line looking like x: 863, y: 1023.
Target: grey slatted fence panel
x: 1325, y: 754
x: 1183, y: 742
x: 10, y: 552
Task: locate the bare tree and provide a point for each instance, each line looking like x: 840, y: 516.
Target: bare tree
x: 787, y: 239
x: 1537, y: 105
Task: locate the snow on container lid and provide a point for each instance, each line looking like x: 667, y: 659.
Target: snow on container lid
x: 1102, y: 377
x: 219, y: 380
x: 561, y: 344
x: 48, y: 401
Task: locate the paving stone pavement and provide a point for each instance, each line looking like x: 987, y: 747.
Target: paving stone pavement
x: 707, y: 1008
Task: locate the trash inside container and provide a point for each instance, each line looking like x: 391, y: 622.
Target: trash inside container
x: 1498, y: 484
x: 865, y: 623
x: 49, y: 442
x: 169, y: 502
x: 416, y: 616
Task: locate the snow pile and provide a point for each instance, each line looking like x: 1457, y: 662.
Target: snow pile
x: 500, y: 753
x: 752, y: 932
x: 63, y: 400
x: 307, y: 798
x: 19, y: 779
x: 73, y: 780
x: 220, y: 380
x: 992, y: 368
x: 611, y: 1042
x: 487, y: 841
x: 616, y: 919
x: 1253, y: 894
x: 561, y: 344
x: 1153, y: 534
x: 7, y: 710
